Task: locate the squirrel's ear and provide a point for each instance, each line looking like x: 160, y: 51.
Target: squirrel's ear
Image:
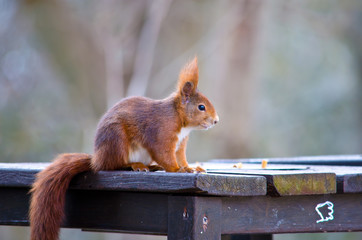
x: 186, y: 91
x: 188, y: 79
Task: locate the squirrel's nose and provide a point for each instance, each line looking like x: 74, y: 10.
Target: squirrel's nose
x: 216, y: 120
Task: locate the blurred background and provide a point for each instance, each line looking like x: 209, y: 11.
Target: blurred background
x: 284, y: 76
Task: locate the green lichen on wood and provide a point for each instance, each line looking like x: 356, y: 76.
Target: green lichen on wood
x: 235, y: 185
x: 305, y: 184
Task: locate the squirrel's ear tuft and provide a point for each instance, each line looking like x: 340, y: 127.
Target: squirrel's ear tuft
x: 189, y: 78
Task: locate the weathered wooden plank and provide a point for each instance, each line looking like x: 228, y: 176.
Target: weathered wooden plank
x: 247, y: 237
x: 211, y: 184
x: 349, y: 178
x: 14, y: 205
x: 232, y: 185
x: 290, y: 182
x: 14, y: 175
x: 293, y: 214
x: 17, y: 177
x: 302, y: 184
x: 113, y: 210
x: 349, y: 183
x: 333, y: 160
x: 24, y: 166
x: 135, y: 181
x: 194, y: 218
x: 149, y: 212
x: 19, y: 174
x: 106, y: 210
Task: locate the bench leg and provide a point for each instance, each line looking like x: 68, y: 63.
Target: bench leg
x: 194, y: 218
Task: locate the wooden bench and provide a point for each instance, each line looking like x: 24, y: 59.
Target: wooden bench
x: 289, y: 196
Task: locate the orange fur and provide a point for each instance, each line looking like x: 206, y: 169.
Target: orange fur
x: 134, y: 132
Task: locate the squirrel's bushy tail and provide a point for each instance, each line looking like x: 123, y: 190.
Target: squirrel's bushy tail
x: 48, y: 194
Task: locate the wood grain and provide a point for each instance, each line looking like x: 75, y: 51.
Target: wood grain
x: 176, y: 204
x: 289, y: 182
x: 194, y: 218
x: 14, y: 175
x: 331, y: 160
x: 293, y: 214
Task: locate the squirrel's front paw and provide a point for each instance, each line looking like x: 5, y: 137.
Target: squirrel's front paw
x: 198, y: 169
x: 186, y: 170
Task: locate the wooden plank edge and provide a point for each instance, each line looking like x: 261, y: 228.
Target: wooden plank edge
x: 302, y: 184
x: 349, y: 183
x: 232, y: 185
x: 333, y: 160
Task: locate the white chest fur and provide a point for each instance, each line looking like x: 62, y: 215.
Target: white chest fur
x: 182, y: 134
x: 139, y: 154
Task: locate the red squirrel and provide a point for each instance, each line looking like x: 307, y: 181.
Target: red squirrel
x: 135, y: 132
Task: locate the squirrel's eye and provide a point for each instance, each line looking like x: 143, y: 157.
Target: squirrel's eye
x: 201, y: 107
